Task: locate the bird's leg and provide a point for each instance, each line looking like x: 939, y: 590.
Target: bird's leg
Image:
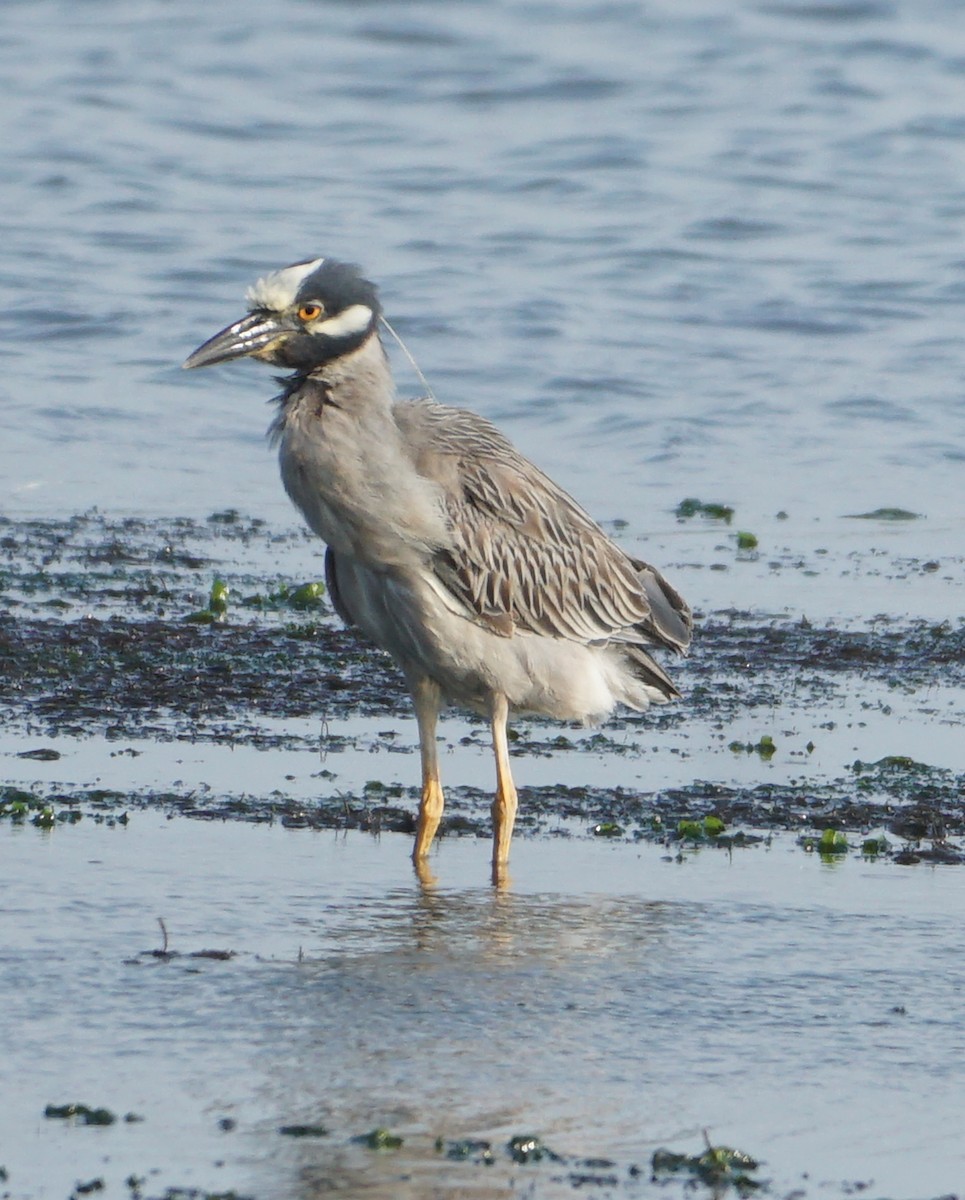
x: 504, y: 805
x: 428, y: 701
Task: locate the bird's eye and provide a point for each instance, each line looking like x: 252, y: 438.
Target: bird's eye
x: 308, y: 312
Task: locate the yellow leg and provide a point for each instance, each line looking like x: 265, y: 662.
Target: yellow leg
x: 428, y: 701
x: 504, y: 805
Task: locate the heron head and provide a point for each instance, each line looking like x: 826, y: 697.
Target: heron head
x: 299, y: 317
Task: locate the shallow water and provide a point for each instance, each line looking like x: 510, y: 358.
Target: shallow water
x: 611, y: 1000
x: 703, y: 249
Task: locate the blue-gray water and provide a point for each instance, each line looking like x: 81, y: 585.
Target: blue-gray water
x: 612, y: 1001
x: 697, y: 248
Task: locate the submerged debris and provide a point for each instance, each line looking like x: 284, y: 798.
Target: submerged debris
x: 135, y: 1185
x: 474, y: 1150
x: 89, y: 1187
x: 165, y: 954
x: 885, y: 514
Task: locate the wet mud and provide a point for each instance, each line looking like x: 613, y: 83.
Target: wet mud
x: 185, y: 631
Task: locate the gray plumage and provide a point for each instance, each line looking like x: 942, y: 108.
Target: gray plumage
x: 488, y: 584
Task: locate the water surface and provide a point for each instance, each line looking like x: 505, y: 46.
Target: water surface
x: 611, y: 1000
x: 703, y: 249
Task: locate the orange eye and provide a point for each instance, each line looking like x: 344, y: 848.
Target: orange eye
x: 308, y: 312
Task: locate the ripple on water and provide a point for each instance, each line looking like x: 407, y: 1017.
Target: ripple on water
x: 871, y: 408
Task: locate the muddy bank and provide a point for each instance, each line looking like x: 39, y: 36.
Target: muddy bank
x: 181, y: 631
x: 894, y: 808
x: 125, y: 675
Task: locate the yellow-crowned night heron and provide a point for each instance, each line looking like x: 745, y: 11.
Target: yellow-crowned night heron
x: 489, y: 586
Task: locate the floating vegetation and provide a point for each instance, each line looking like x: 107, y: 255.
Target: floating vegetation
x: 379, y: 1139
x: 717, y: 1167
x: 707, y: 829
x: 228, y: 516
x: 925, y: 805
x: 18, y: 806
x: 765, y: 747
x: 474, y: 1150
x: 82, y: 1114
x: 217, y: 608
x: 746, y: 541
x: 527, y: 1148
x: 697, y: 508
x: 304, y: 597
x: 608, y: 829
x: 891, y: 763
x: 830, y: 844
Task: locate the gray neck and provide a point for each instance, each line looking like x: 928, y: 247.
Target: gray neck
x: 346, y: 464
x: 360, y: 380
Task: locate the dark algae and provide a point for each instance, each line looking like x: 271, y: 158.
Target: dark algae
x: 303, y: 1131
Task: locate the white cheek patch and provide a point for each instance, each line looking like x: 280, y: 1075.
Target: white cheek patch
x: 278, y: 290
x: 350, y: 321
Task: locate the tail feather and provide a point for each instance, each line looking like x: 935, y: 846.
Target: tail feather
x: 671, y: 622
x: 653, y: 677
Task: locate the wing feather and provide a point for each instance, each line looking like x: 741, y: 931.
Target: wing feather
x: 524, y: 554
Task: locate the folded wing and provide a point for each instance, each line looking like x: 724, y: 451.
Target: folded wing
x: 524, y: 555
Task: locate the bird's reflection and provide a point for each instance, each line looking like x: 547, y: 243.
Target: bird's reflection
x: 442, y: 1011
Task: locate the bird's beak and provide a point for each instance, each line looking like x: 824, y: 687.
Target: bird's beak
x: 256, y: 335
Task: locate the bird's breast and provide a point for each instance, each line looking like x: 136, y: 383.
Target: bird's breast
x: 356, y: 486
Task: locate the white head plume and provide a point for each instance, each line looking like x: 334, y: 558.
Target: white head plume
x: 277, y: 291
